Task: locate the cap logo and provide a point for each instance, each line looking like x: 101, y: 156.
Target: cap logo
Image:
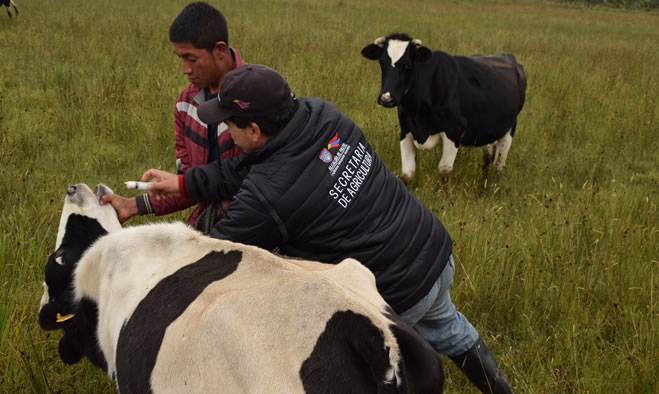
x: 242, y: 104
x: 334, y: 142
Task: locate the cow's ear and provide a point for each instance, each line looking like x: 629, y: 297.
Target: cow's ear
x: 422, y: 55
x: 372, y: 51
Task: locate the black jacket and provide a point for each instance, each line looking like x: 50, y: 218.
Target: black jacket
x: 317, y: 190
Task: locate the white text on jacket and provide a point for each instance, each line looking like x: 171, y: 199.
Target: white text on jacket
x: 352, y: 177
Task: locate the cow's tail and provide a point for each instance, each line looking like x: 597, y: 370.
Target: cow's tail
x: 521, y: 82
x: 381, y: 354
x: 424, y: 373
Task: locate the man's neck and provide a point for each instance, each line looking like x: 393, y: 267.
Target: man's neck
x: 230, y: 63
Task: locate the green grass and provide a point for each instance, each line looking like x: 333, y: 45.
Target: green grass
x: 556, y: 263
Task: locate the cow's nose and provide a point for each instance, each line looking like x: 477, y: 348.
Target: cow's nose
x: 72, y: 190
x: 385, y: 98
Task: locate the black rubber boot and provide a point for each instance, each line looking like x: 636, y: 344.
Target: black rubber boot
x: 479, y: 365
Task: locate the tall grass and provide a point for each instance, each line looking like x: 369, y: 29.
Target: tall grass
x: 557, y: 262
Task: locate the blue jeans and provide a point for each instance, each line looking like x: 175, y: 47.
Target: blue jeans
x: 437, y: 320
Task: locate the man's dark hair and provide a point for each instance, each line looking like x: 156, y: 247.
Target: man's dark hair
x: 200, y: 24
x: 269, y: 124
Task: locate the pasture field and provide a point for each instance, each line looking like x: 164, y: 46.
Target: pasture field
x: 557, y: 262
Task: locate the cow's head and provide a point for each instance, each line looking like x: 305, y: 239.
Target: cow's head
x: 83, y: 221
x: 399, y: 55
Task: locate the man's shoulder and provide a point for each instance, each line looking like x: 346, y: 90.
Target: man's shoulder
x: 317, y: 106
x: 187, y: 95
x: 316, y: 102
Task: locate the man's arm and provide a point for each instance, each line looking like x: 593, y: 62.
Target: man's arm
x: 172, y: 203
x: 216, y: 181
x: 251, y: 221
x: 180, y: 146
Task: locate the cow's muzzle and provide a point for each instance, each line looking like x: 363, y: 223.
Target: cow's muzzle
x: 386, y: 100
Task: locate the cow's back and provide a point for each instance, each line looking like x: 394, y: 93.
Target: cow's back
x: 491, y: 94
x: 506, y: 67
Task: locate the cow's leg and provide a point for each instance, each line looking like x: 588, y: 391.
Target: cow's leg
x: 488, y: 157
x: 502, y: 147
x: 449, y: 152
x: 408, y: 158
x: 13, y: 5
x: 9, y: 12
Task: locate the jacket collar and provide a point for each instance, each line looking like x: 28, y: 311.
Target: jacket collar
x: 288, y: 134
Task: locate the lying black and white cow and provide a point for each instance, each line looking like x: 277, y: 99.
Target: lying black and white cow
x: 471, y: 101
x: 163, y: 308
x: 9, y: 4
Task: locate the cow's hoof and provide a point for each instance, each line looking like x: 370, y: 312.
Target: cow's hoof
x: 407, y: 179
x: 497, y: 174
x: 445, y: 170
x: 445, y: 173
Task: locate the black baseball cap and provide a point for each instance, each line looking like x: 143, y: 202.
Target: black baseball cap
x: 253, y: 90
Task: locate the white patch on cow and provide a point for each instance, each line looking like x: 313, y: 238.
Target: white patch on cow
x: 45, y: 297
x: 408, y: 157
x: 501, y: 151
x: 85, y: 202
x: 449, y: 152
x: 263, y: 306
x: 191, y: 110
x: 396, y: 49
x: 430, y: 142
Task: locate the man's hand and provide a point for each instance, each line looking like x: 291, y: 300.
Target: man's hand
x: 161, y: 183
x: 126, y: 207
x: 221, y: 211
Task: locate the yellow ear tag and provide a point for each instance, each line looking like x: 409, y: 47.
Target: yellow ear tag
x: 61, y: 318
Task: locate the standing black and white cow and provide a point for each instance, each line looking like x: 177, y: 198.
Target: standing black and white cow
x: 163, y: 308
x: 471, y: 101
x: 9, y: 4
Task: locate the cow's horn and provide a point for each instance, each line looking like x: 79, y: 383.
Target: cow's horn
x: 379, y: 41
x: 417, y: 42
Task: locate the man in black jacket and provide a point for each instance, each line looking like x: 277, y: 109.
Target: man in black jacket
x: 309, y: 185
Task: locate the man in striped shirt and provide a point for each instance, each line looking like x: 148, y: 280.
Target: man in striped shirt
x: 200, y: 38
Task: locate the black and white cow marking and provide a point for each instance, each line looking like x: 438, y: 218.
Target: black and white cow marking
x: 163, y: 308
x: 471, y: 101
x: 9, y: 4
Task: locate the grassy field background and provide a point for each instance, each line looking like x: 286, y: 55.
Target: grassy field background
x: 556, y: 263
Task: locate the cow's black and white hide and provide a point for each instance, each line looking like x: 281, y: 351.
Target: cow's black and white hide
x: 9, y: 4
x: 471, y: 101
x: 163, y: 308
